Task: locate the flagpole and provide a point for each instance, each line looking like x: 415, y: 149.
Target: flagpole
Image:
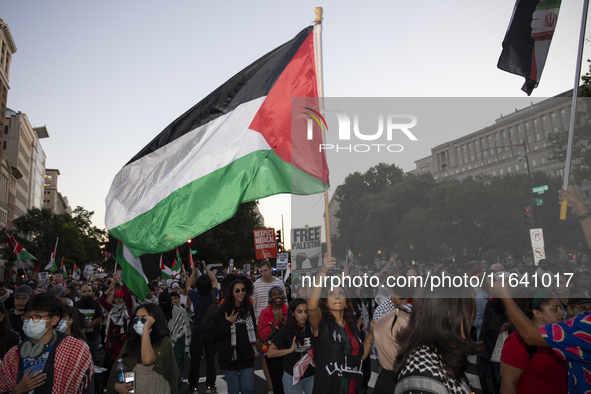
x: 573, y: 109
x: 318, y: 56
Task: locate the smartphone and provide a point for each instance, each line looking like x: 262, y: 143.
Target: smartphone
x: 130, y: 379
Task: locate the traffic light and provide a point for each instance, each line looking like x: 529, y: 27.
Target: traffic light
x: 528, y: 217
x: 189, y: 241
x: 279, y: 244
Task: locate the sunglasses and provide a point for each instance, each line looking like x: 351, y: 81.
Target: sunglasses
x: 143, y: 320
x: 243, y: 290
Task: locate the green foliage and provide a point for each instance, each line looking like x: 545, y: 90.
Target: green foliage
x: 424, y: 220
x: 558, y: 141
x: 79, y: 241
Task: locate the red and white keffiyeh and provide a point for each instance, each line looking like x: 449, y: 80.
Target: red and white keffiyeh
x: 73, y: 367
x: 299, y: 369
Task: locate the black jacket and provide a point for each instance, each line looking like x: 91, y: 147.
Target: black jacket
x: 222, y: 334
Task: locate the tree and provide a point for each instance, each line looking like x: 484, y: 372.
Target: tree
x: 581, y: 151
x: 469, y: 219
x: 37, y: 230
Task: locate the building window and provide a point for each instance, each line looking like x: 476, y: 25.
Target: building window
x: 516, y: 167
x: 488, y: 161
x: 535, y: 147
x: 494, y: 173
x: 469, y: 168
x: 560, y: 172
x: 509, y: 170
x: 543, y: 160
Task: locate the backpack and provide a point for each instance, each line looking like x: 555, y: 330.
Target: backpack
x: 208, y: 320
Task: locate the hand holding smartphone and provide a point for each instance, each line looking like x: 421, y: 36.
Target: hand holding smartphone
x: 130, y: 380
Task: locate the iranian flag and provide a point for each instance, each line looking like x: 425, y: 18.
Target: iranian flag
x: 166, y: 273
x: 527, y: 40
x: 20, y: 252
x: 76, y: 273
x: 52, y: 266
x: 236, y: 145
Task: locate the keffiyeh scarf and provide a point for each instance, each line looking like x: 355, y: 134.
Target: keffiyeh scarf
x: 252, y: 338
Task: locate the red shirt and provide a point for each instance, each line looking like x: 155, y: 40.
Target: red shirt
x: 544, y: 373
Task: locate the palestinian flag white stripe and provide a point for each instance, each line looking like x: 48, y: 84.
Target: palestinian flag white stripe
x: 160, y: 173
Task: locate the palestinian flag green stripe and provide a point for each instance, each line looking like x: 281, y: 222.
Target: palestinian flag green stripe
x: 257, y: 175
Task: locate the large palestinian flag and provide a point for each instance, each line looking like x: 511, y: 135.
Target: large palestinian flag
x: 232, y: 147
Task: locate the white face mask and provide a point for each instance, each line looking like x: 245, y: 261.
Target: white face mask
x: 62, y: 326
x: 35, y: 330
x: 139, y: 328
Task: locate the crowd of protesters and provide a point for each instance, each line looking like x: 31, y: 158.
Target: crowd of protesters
x: 483, y: 339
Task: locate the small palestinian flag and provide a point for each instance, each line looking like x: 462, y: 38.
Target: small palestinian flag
x: 241, y: 143
x: 52, y: 266
x: 64, y: 269
x: 20, y: 252
x: 166, y: 271
x: 176, y: 269
x: 178, y: 258
x: 76, y: 273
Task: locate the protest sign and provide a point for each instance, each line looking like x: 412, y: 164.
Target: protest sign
x: 306, y: 249
x: 282, y: 263
x: 43, y: 278
x: 264, y: 243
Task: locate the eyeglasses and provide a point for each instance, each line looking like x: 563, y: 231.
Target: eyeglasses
x: 243, y: 290
x: 143, y: 320
x: 36, y: 319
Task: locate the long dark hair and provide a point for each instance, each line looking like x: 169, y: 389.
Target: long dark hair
x: 291, y: 323
x: 348, y: 315
x: 75, y: 327
x: 4, y: 330
x: 157, y: 335
x: 437, y: 320
x: 229, y: 298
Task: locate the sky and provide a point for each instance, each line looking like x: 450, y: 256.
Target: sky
x: 106, y: 77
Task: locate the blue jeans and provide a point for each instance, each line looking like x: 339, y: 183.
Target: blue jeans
x: 236, y: 379
x: 304, y: 385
